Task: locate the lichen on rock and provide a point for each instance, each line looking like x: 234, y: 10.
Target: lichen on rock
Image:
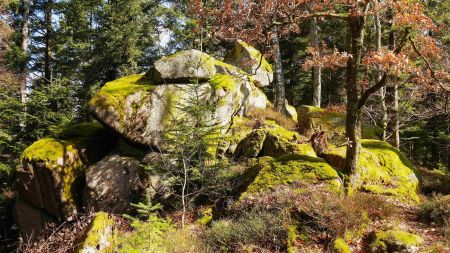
x: 183, y: 67
x: 112, y: 184
x: 251, y: 61
x: 100, y: 237
x: 141, y: 110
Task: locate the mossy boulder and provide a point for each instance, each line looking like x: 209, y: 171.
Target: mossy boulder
x: 141, y: 111
x: 112, y: 184
x: 183, y: 67
x: 270, y: 139
x: 313, y: 119
x: 101, y: 235
x: 393, y: 241
x: 50, y: 175
x: 251, y: 61
x: 291, y: 169
x: 382, y: 169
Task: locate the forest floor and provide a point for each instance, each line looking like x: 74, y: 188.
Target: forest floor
x: 406, y: 219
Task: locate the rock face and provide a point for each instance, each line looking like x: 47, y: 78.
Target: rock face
x: 29, y: 219
x: 141, y: 111
x: 251, y: 61
x: 111, y: 184
x: 382, y: 169
x: 183, y: 67
x: 50, y: 176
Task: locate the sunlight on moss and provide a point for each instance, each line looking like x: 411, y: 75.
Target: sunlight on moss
x: 293, y: 168
x: 382, y: 169
x: 223, y: 81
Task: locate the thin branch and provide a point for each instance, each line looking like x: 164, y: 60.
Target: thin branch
x: 365, y: 96
x: 433, y: 73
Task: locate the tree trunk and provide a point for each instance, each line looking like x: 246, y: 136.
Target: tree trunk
x: 353, y: 119
x: 394, y: 92
x: 395, y: 116
x: 316, y: 71
x: 48, y: 42
x: 382, y: 92
x: 25, y: 41
x: 183, y: 193
x: 280, y: 92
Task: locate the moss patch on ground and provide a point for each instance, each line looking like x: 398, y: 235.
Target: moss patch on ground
x: 382, y: 169
x: 393, y: 241
x: 340, y: 246
x: 289, y: 169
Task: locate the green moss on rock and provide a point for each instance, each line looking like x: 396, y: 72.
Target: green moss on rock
x: 382, y: 169
x: 56, y: 166
x: 114, y: 94
x: 293, y: 168
x: 223, y: 81
x: 340, y: 246
x: 48, y: 150
x: 270, y: 139
x: 393, y: 241
x: 100, y: 237
x: 312, y: 119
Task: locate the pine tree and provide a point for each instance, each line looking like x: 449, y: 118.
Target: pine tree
x: 193, y: 136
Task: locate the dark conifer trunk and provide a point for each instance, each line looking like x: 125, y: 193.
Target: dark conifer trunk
x: 48, y: 42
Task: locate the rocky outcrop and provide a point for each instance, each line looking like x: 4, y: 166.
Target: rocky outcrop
x: 382, y: 169
x: 313, y: 119
x: 183, y: 67
x: 50, y: 180
x: 141, y: 110
x: 251, y: 61
x: 112, y: 183
x: 270, y: 139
